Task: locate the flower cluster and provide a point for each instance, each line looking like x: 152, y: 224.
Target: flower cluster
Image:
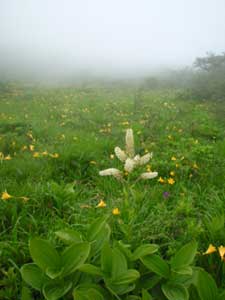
x: 129, y: 159
x: 211, y: 249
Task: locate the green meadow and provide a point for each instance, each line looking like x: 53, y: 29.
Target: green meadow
x: 54, y: 142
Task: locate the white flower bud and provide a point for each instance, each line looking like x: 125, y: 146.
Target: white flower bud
x: 149, y: 175
x: 120, y: 154
x: 129, y: 165
x: 145, y: 159
x: 130, y: 143
x: 111, y: 172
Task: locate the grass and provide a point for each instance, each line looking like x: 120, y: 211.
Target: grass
x: 77, y: 129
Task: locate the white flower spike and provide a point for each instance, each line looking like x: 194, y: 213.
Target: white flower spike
x: 149, y: 175
x: 130, y: 143
x: 121, y: 155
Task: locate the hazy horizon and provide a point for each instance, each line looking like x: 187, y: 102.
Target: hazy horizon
x: 59, y: 39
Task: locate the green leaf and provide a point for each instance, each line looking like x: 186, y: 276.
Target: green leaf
x: 146, y: 295
x: 100, y: 239
x: 184, y: 256
x: 128, y: 277
x: 95, y: 228
x: 175, y: 291
x: 206, y: 286
x: 33, y: 276
x: 26, y: 294
x: 106, y: 259
x: 55, y: 289
x: 144, y: 250
x: 119, y: 263
x: 69, y: 236
x: 222, y: 296
x: 44, y: 254
x: 74, y: 256
x: 91, y: 269
x: 184, y: 270
x: 88, y: 294
x: 157, y: 265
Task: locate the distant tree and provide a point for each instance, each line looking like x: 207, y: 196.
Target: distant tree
x: 211, y: 62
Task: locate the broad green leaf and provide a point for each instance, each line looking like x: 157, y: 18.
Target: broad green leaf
x: 184, y: 256
x: 174, y: 291
x: 206, y: 286
x: 95, y: 227
x: 146, y: 295
x: 55, y: 289
x: 119, y: 263
x: 69, y: 236
x: 222, y: 296
x: 157, y: 265
x: 44, y: 254
x: 91, y: 269
x: 144, y: 250
x: 33, y: 276
x: 120, y: 289
x: 100, y: 239
x: 128, y: 277
x: 89, y: 294
x: 74, y: 256
x: 26, y: 294
x: 186, y: 270
x: 125, y: 249
x: 106, y: 259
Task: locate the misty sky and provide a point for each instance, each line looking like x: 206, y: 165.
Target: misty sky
x: 121, y: 36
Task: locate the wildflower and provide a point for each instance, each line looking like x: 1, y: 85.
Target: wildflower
x: 129, y: 139
x: 24, y: 148
x: 112, y: 156
x: 116, y: 211
x: 93, y: 162
x: 177, y: 165
x: 8, y: 157
x: 145, y: 159
x: 111, y: 172
x: 173, y: 158
x: 36, y: 154
x: 44, y: 153
x: 170, y: 137
x: 1, y: 155
x: 31, y: 147
x: 149, y: 175
x: 120, y: 154
x: 101, y: 204
x: 221, y: 250
x: 129, y: 165
x: 148, y: 168
x: 172, y: 173
x: 54, y: 155
x: 195, y: 166
x: 161, y: 180
x: 210, y: 250
x: 6, y: 196
x: 171, y: 181
x: 166, y: 194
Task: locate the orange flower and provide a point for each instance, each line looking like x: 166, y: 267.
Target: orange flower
x: 210, y: 250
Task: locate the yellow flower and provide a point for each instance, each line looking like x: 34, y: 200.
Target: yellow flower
x: 170, y: 137
x: 36, y: 154
x: 93, y: 162
x: 195, y: 166
x: 221, y: 250
x: 31, y: 147
x: 171, y: 181
x: 101, y: 204
x: 173, y: 158
x: 177, y: 165
x: 54, y: 155
x: 210, y: 250
x: 6, y: 196
x: 8, y: 157
x: 116, y: 211
x: 44, y: 152
x: 24, y: 147
x: 161, y: 180
x: 172, y: 173
x: 112, y: 156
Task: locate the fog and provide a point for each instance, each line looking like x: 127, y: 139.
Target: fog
x: 66, y: 38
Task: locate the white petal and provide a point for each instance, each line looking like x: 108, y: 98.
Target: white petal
x: 145, y: 158
x: 111, y: 172
x: 129, y: 165
x: 149, y: 175
x: 129, y: 143
x: 137, y: 159
x: 120, y: 154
